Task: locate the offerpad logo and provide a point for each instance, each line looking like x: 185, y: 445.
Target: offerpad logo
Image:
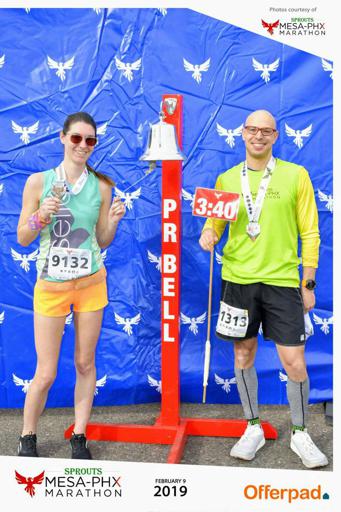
x: 266, y: 492
x: 270, y: 26
x: 29, y: 482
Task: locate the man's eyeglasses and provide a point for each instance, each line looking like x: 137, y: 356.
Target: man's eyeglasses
x: 77, y: 139
x: 253, y: 130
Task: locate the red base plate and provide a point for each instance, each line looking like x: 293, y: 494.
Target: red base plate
x: 174, y: 435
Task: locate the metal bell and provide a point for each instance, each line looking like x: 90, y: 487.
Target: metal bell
x: 162, y: 143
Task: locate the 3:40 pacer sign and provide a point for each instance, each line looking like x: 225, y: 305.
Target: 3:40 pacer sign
x: 217, y: 204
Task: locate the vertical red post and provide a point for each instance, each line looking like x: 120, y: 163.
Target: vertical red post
x: 170, y: 280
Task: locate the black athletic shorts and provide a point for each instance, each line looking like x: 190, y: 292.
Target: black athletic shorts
x: 278, y: 308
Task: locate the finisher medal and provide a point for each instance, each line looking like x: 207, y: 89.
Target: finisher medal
x: 254, y: 209
x: 58, y: 189
x: 253, y: 230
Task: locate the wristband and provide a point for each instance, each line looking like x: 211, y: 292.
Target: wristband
x: 43, y: 221
x: 36, y: 223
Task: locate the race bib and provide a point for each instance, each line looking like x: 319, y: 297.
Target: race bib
x: 232, y: 321
x: 69, y: 263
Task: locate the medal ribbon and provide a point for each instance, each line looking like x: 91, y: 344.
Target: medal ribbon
x: 254, y: 209
x: 78, y: 186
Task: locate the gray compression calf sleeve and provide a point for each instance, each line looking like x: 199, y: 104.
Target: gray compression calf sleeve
x: 247, y: 383
x: 298, y: 396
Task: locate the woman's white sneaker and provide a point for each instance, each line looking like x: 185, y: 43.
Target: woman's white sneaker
x: 251, y: 441
x: 306, y: 449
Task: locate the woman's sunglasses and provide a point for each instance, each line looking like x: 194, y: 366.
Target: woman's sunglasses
x: 77, y: 139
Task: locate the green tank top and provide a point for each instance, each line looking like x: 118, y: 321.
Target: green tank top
x: 74, y: 226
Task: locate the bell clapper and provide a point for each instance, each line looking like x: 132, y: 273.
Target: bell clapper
x: 151, y: 167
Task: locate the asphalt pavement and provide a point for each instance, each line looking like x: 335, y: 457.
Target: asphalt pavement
x: 198, y: 450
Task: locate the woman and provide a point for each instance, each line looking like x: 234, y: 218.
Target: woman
x: 71, y: 208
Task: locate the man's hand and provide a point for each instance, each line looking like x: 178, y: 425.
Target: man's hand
x: 309, y: 300
x: 208, y: 239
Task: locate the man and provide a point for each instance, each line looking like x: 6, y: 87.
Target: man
x: 260, y: 278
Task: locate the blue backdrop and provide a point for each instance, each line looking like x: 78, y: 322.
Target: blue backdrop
x: 54, y: 62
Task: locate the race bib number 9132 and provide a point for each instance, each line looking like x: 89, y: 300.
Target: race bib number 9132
x: 69, y: 263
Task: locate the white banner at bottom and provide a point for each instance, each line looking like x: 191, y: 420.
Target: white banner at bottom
x: 55, y: 484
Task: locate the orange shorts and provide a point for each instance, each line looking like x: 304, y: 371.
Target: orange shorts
x: 86, y: 294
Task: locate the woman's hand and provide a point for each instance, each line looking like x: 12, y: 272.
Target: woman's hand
x: 117, y: 211
x: 49, y: 206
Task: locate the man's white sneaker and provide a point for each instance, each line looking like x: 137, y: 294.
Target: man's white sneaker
x: 250, y: 442
x: 306, y: 449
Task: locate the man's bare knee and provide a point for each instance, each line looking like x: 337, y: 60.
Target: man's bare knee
x: 245, y: 352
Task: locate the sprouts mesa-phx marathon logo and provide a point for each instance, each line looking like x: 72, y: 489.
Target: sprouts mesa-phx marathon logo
x: 73, y: 483
x: 306, y: 26
x: 290, y: 495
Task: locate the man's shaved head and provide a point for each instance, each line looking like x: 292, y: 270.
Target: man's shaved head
x: 261, y: 118
x: 259, y: 146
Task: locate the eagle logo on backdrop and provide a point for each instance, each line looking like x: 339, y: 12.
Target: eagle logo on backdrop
x: 128, y: 197
x: 154, y: 383
x: 155, y: 259
x: 23, y: 383
x: 128, y: 322
x: 127, y: 68
x: 25, y: 258
x: 325, y: 198
x: 193, y: 322
x: 69, y: 318
x: 100, y: 383
x: 270, y: 26
x: 197, y: 69
x: 101, y: 130
x: 187, y: 196
x: 29, y: 482
x: 323, y: 322
x: 162, y: 10
x: 282, y: 376
x: 225, y: 383
x: 25, y: 131
x: 2, y: 60
x: 60, y: 67
x: 298, y: 134
x: 327, y: 67
x: 230, y: 134
x: 265, y: 69
x: 218, y: 257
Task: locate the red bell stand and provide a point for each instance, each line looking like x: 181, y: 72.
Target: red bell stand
x: 169, y: 427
